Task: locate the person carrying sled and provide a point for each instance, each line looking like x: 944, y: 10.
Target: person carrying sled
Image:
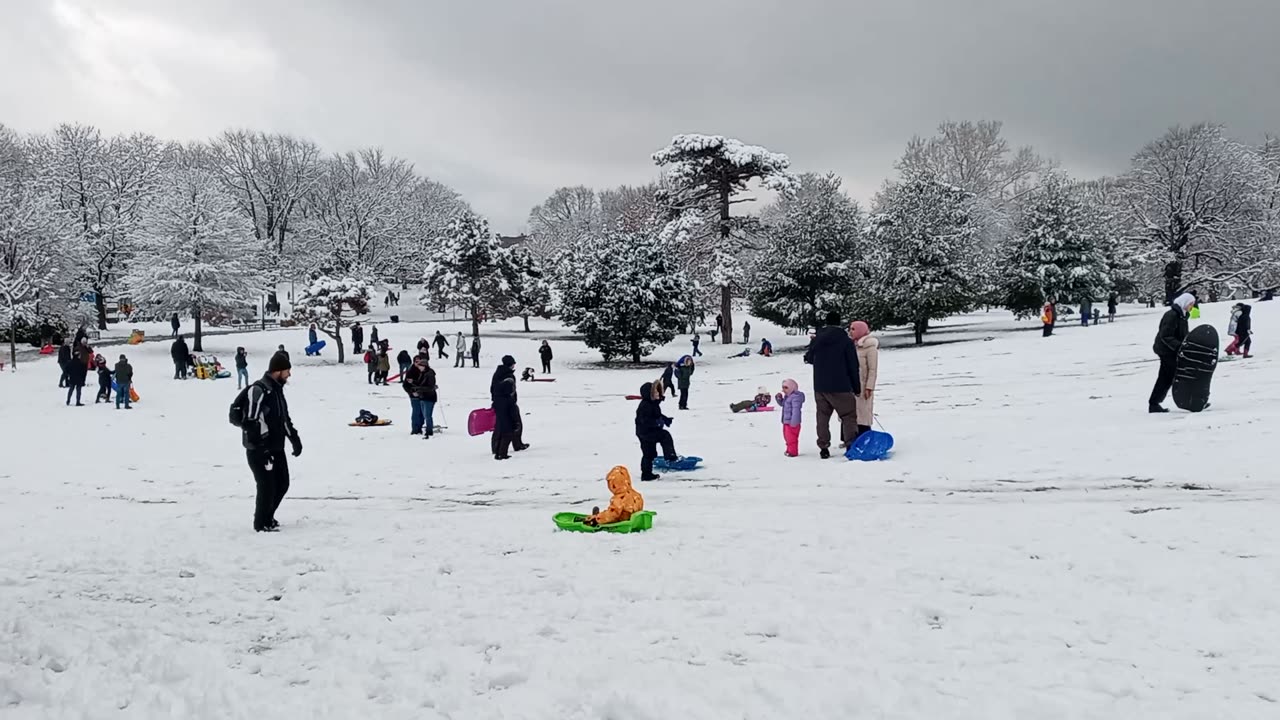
x: 684, y: 373
x: 1169, y: 339
x: 836, y: 382
x: 419, y: 383
x: 791, y: 400
x: 441, y: 343
x: 506, y: 400
x: 651, y: 430
x: 544, y: 353
x: 124, y: 383
x: 265, y: 427
x: 460, y: 352
x: 1240, y: 330
x: 181, y: 357
x: 624, y: 503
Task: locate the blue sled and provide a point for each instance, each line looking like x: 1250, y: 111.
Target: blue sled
x: 684, y: 463
x: 870, y: 445
x: 315, y: 348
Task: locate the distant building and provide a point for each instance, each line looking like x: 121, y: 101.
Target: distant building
x: 508, y: 241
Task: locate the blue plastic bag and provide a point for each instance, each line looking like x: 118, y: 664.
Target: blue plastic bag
x: 870, y: 445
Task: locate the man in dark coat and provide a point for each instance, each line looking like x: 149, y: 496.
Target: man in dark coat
x: 684, y: 374
x: 124, y: 381
x: 77, y: 373
x: 419, y: 383
x: 266, y: 427
x: 834, y: 358
x: 181, y: 355
x: 651, y: 431
x: 64, y: 362
x: 441, y: 343
x: 175, y: 323
x: 475, y: 351
x: 505, y: 398
x: 544, y: 353
x: 1169, y: 339
x: 357, y: 339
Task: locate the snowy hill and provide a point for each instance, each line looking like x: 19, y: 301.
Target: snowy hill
x: 1039, y: 546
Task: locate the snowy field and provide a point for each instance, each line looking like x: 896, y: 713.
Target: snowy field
x: 1039, y: 547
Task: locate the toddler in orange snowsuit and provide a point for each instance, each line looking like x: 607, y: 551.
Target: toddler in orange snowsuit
x: 625, y: 502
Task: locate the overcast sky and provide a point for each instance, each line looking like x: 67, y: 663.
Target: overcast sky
x: 505, y: 100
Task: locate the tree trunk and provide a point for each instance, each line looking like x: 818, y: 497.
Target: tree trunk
x: 100, y: 304
x: 475, y: 322
x: 337, y: 338
x: 919, y: 327
x: 13, y: 342
x: 526, y: 323
x: 197, y: 346
x: 726, y: 294
x: 635, y: 350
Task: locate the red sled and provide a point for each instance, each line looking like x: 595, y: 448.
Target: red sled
x: 394, y: 378
x: 481, y: 421
x: 542, y: 379
x: 47, y: 350
x: 633, y: 397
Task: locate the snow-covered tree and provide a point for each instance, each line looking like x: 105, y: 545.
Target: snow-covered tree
x: 1199, y: 200
x: 626, y: 296
x: 332, y: 304
x: 1058, y: 254
x: 34, y: 255
x: 197, y: 253
x: 570, y: 215
x: 812, y: 260
x: 529, y: 292
x: 469, y: 269
x: 925, y: 248
x: 705, y: 173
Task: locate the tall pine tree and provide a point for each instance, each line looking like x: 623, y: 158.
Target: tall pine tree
x: 470, y: 269
x: 624, y: 294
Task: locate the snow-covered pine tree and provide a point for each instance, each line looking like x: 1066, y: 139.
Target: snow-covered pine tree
x: 705, y: 172
x: 927, y: 255
x: 35, y: 253
x: 197, y: 252
x: 332, y: 304
x: 469, y: 269
x: 812, y: 259
x: 1058, y: 254
x: 625, y: 295
x: 529, y: 292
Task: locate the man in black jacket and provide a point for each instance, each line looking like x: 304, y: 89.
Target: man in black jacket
x: 357, y: 339
x: 441, y: 343
x: 420, y: 383
x: 1169, y: 339
x: 835, y: 382
x: 651, y: 431
x: 64, y: 362
x: 266, y: 427
x: 506, y: 399
x: 180, y: 355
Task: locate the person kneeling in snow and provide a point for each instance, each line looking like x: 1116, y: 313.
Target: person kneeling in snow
x: 625, y: 502
x: 651, y: 430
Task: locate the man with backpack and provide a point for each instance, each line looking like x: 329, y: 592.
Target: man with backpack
x: 262, y: 414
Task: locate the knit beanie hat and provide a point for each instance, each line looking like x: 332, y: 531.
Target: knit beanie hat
x: 508, y: 360
x: 279, y: 361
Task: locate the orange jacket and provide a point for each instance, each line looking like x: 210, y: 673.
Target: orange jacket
x: 625, y: 502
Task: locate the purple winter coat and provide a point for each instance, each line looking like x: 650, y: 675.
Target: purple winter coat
x: 791, y: 408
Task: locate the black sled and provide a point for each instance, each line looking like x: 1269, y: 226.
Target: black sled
x: 1196, y: 362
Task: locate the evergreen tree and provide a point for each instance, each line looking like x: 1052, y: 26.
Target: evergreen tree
x: 624, y: 294
x: 470, y: 269
x: 704, y: 173
x: 813, y: 256
x: 927, y: 255
x: 331, y: 304
x: 199, y: 252
x: 529, y: 292
x: 1058, y: 254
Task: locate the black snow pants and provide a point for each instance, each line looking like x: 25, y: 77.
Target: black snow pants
x: 1164, y: 381
x: 272, y: 483
x: 649, y: 451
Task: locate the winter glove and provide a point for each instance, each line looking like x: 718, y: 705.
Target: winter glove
x: 778, y: 398
x: 297, y: 445
x: 666, y: 422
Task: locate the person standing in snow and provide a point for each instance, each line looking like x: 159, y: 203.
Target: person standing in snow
x: 64, y: 363
x: 180, y: 354
x: 1049, y: 317
x: 1169, y: 339
x: 835, y: 382
x: 697, y: 340
x: 1111, y: 308
x: 77, y: 372
x: 868, y: 370
x: 124, y: 383
x: 384, y: 367
x: 175, y: 323
x: 242, y: 368
x: 746, y: 333
x: 509, y: 431
x: 1086, y: 312
x: 441, y: 343
x: 104, y: 380
x: 475, y: 351
x: 791, y: 400
x: 684, y: 374
x: 373, y: 336
x: 371, y: 363
x: 651, y: 431
x: 460, y: 352
x: 544, y: 353
x: 668, y: 378
x: 1240, y: 330
x: 357, y: 338
x: 713, y: 331
x: 420, y: 384
x: 265, y: 428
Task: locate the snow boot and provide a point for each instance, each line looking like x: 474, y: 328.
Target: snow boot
x: 649, y: 478
x: 824, y: 453
x: 1155, y: 409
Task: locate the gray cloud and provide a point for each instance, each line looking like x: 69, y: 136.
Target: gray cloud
x: 507, y: 99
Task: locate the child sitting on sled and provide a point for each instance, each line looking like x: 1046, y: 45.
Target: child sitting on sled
x: 761, y: 400
x: 624, y: 503
x: 527, y: 375
x: 792, y: 402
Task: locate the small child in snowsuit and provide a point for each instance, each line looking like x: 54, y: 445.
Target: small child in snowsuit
x: 792, y: 402
x: 624, y: 503
x: 1240, y: 329
x: 651, y: 430
x: 104, y: 380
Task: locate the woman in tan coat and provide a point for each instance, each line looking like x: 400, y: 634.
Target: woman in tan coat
x: 868, y: 365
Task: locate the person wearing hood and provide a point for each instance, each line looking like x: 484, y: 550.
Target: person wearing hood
x: 684, y: 373
x: 766, y: 347
x: 791, y: 400
x: 868, y: 366
x: 373, y: 335
x: 836, y: 382
x: 668, y: 376
x: 506, y: 406
x: 357, y: 338
x: 624, y: 503
x: 1240, y: 329
x: 242, y: 368
x: 460, y: 352
x: 651, y: 430
x: 544, y: 354
x: 180, y: 354
x: 1169, y: 339
x: 1049, y: 317
x: 312, y: 336
x: 746, y: 333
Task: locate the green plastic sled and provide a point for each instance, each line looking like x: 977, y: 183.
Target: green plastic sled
x: 572, y: 522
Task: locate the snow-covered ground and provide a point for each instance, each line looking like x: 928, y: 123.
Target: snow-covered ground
x: 1039, y: 547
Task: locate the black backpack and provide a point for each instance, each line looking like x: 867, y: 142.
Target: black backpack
x: 240, y: 406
